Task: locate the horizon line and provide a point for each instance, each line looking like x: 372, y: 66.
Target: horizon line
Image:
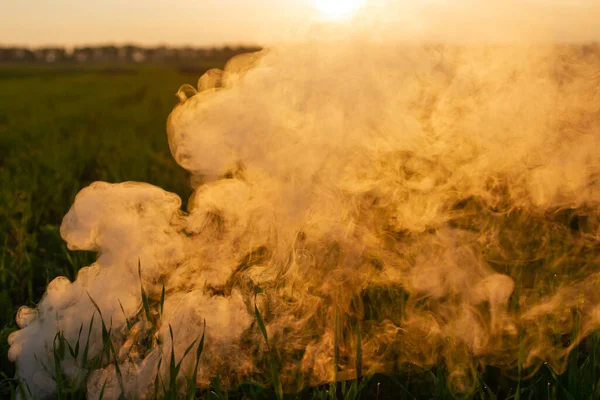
x: 131, y: 43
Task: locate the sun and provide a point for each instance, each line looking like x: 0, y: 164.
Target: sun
x: 337, y: 8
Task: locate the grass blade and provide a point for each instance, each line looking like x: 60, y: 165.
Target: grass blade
x: 272, y: 359
x: 192, y: 379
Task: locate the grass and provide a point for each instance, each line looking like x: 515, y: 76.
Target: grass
x: 62, y: 128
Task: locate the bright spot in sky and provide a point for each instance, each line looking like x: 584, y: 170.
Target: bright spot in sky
x: 337, y: 8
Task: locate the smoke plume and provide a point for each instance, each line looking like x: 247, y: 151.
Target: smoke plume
x: 382, y: 203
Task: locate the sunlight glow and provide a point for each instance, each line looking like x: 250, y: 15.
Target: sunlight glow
x: 337, y: 8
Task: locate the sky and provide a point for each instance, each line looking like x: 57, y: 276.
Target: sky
x: 230, y: 22
x: 149, y: 22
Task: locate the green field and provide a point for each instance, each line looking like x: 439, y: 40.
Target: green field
x: 62, y: 128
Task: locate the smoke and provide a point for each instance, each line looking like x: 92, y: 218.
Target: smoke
x: 417, y: 204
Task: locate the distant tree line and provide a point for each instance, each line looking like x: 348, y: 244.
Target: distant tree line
x: 118, y: 54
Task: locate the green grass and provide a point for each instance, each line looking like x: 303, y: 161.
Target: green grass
x: 62, y: 128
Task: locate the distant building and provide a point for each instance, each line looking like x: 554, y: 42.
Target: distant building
x: 138, y: 56
x: 50, y: 55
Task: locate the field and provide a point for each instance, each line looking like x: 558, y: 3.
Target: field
x: 63, y: 127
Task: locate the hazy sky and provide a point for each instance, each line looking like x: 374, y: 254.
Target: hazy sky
x: 194, y: 22
x: 217, y: 22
